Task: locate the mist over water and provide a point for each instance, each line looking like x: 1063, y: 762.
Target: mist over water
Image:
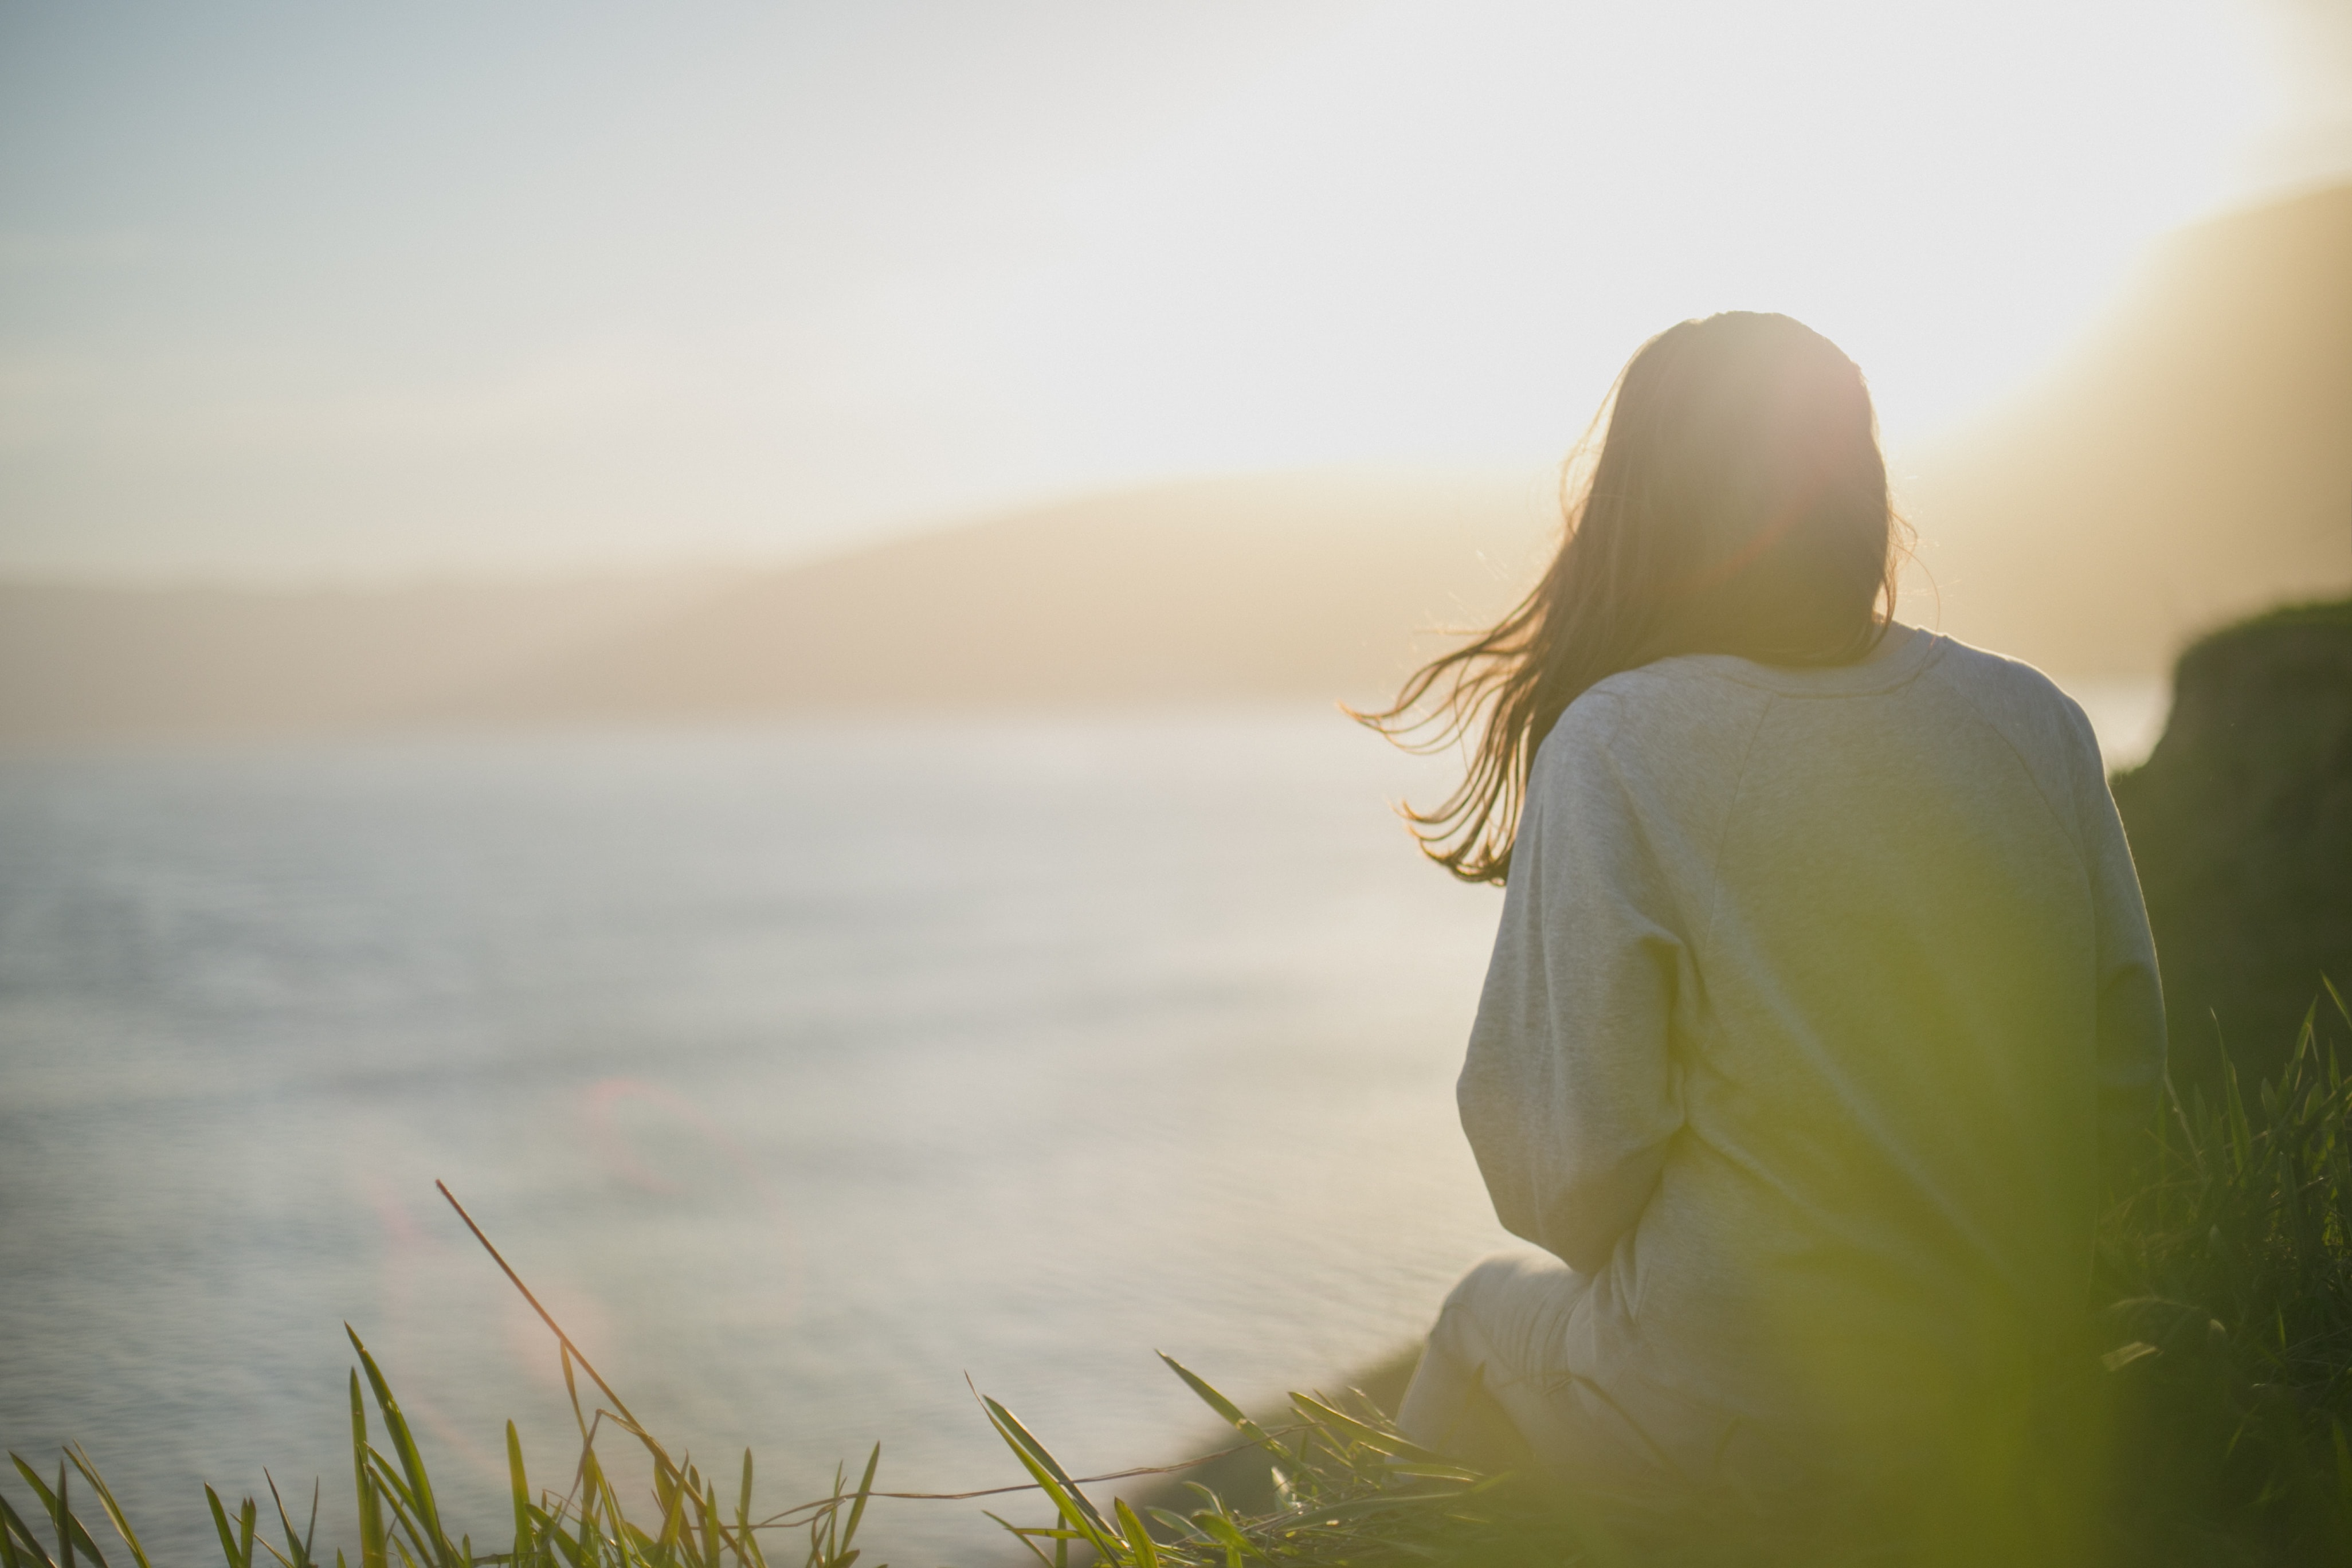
x: 801, y: 1072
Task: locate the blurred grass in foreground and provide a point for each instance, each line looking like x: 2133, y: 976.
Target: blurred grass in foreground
x: 2206, y: 1424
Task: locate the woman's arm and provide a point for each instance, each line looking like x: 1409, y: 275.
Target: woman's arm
x: 1568, y: 1095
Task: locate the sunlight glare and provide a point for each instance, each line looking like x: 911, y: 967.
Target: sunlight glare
x: 1442, y: 232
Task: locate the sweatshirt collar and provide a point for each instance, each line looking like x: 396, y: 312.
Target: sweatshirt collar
x: 1885, y: 669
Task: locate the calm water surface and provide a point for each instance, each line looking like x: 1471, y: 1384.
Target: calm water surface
x: 800, y: 1073
x: 803, y: 1073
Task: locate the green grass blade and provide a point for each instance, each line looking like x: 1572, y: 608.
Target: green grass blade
x: 41, y: 1493
x: 574, y: 1552
x: 865, y: 1490
x: 547, y: 1529
x: 1371, y: 1437
x: 518, y: 1486
x: 637, y: 1546
x: 393, y: 1494
x: 708, y: 1506
x: 227, y: 1537
x: 1217, y: 1402
x: 747, y: 1540
x: 81, y: 1461
x: 1140, y: 1544
x: 420, y: 1485
x: 1173, y: 1520
x: 672, y: 1498
x: 74, y: 1536
x: 1432, y: 1472
x: 395, y: 1490
x: 71, y: 1536
x: 372, y: 1533
x: 1049, y: 1473
x: 1227, y: 1534
x: 1209, y: 1397
x: 831, y: 1550
x: 592, y: 1486
x: 28, y: 1546
x: 297, y: 1547
x: 1019, y: 1535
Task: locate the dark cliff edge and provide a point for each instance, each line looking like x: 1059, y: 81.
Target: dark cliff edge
x: 2241, y: 823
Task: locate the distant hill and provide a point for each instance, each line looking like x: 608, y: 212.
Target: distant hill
x: 1312, y: 587
x: 80, y: 663
x: 1309, y: 586
x: 2190, y: 461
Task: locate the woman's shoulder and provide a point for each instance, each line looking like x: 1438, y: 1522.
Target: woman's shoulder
x: 1993, y: 670
x: 1700, y: 708
x: 2015, y: 697
x: 1668, y: 716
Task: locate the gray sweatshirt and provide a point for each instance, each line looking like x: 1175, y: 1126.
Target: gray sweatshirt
x: 1812, y: 991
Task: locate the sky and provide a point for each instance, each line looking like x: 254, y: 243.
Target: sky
x: 294, y: 292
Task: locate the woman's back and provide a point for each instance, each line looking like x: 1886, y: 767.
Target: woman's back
x: 1809, y: 984
x: 1822, y: 965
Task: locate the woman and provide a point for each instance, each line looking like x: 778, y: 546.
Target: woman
x: 1823, y: 984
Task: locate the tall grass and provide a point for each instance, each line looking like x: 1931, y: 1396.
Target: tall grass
x: 2230, y: 1272
x: 2206, y: 1424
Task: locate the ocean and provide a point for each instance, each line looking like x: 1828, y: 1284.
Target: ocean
x: 815, y: 1077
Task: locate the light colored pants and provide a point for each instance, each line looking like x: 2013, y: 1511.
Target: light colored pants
x: 1495, y: 1375
x: 1500, y: 1385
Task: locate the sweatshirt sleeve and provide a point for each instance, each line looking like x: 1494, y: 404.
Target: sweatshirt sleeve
x: 2131, y: 1043
x: 1568, y: 1094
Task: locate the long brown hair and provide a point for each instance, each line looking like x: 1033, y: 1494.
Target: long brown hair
x: 1736, y: 504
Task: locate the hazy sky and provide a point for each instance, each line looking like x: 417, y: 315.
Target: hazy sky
x: 301, y: 290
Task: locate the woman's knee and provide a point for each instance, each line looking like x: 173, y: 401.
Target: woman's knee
x: 1501, y: 1274
x: 1511, y: 1292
